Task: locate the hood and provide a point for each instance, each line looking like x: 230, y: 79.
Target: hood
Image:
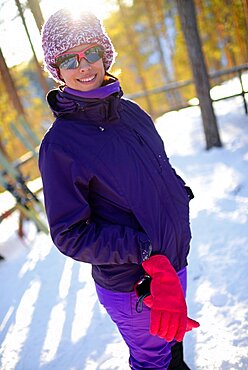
x: 99, y: 104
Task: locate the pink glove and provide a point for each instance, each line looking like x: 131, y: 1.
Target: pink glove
x: 168, y: 307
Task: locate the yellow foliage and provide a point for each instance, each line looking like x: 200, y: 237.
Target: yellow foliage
x: 36, y: 112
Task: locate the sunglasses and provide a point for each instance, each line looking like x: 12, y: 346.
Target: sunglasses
x: 72, y: 60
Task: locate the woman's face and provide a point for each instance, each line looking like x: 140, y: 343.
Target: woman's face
x: 88, y: 76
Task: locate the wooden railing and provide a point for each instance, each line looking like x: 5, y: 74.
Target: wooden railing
x: 174, y: 86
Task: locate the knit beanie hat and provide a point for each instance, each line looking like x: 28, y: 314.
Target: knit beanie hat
x: 62, y: 32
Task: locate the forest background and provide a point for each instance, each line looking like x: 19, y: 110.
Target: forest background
x: 151, y: 54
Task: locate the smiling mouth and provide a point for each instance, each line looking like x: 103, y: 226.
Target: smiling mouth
x: 87, y: 80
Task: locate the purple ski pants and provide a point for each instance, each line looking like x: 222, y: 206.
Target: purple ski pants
x: 146, y: 351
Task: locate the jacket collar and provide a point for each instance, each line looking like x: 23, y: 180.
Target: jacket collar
x: 66, y: 103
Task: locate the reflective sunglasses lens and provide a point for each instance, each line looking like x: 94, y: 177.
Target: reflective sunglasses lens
x: 93, y: 54
x: 71, y: 61
x: 67, y: 61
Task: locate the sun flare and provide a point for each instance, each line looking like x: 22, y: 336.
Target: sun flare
x: 99, y: 7
x: 95, y: 6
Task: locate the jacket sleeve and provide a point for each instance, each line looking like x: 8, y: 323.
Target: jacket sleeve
x: 66, y: 191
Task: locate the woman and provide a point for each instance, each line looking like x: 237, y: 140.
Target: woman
x: 112, y: 199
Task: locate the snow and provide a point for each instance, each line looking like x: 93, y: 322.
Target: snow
x: 50, y: 317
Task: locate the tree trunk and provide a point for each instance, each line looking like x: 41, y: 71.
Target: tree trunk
x: 187, y: 14
x: 42, y: 79
x: 10, y: 86
x: 130, y: 35
x: 34, y: 6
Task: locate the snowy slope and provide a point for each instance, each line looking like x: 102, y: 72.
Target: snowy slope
x: 49, y: 314
x: 218, y: 263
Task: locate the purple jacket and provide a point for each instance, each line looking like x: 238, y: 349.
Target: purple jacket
x: 110, y: 191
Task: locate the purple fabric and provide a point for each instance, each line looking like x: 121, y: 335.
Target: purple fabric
x: 65, y: 103
x: 101, y: 93
x: 66, y: 100
x: 110, y: 190
x: 146, y: 351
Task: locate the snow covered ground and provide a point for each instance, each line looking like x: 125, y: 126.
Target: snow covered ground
x: 49, y: 314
